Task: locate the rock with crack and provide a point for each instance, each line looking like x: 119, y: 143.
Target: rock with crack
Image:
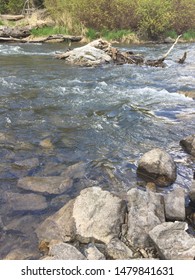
x: 94, y: 215
x: 145, y: 211
x: 173, y: 242
x: 157, y: 166
x: 175, y: 205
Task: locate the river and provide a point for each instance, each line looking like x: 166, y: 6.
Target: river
x: 106, y: 117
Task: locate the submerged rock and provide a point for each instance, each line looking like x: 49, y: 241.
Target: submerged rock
x: 188, y: 144
x: 26, y: 164
x: 175, y: 205
x: 173, y: 242
x: 46, y: 185
x: 157, y: 166
x: 26, y: 202
x: 145, y: 211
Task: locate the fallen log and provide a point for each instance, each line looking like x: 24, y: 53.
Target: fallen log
x: 17, y: 32
x: 160, y: 62
x: 12, y: 17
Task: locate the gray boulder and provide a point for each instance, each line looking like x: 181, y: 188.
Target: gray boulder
x: 175, y: 205
x: 192, y: 191
x: 188, y: 144
x: 46, y: 185
x: 63, y: 251
x: 157, y: 166
x: 145, y: 211
x: 98, y: 215
x: 93, y: 215
x: 59, y: 226
x: 173, y: 242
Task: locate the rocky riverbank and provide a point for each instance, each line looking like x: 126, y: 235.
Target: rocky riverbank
x: 145, y: 222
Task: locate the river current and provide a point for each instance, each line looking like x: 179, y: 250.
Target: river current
x: 106, y: 117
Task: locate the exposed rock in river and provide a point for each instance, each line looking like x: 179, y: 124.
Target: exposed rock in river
x: 188, y: 144
x: 63, y: 251
x: 173, y: 242
x: 157, y: 166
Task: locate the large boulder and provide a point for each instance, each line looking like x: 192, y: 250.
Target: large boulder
x: 188, y: 144
x: 173, y: 242
x: 157, y: 166
x: 117, y: 250
x: 93, y: 215
x: 175, y: 205
x: 145, y: 211
x: 98, y: 215
x: 59, y: 226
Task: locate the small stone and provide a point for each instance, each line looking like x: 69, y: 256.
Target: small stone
x: 46, y: 144
x: 117, y: 250
x: 92, y: 253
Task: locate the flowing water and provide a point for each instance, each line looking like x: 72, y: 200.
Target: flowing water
x: 106, y: 117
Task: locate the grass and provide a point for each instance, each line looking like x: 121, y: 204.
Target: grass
x: 1, y: 23
x: 47, y: 31
x: 189, y: 35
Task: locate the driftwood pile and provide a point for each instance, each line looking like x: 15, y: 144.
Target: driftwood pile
x: 100, y: 51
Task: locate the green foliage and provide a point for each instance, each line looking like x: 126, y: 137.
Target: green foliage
x: 183, y: 12
x: 46, y: 31
x: 189, y: 35
x: 155, y: 17
x: 92, y: 34
x: 115, y: 34
x: 171, y: 33
x: 14, y: 6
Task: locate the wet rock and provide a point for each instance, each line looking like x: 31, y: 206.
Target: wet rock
x: 188, y: 144
x: 190, y: 94
x: 117, y: 250
x: 46, y: 144
x: 63, y: 251
x: 157, y: 166
x: 59, y: 226
x: 75, y: 171
x: 98, y: 215
x: 26, y: 202
x: 145, y: 211
x: 169, y: 40
x: 92, y: 253
x: 46, y: 185
x: 192, y: 191
x: 26, y: 164
x: 175, y: 205
x: 173, y: 242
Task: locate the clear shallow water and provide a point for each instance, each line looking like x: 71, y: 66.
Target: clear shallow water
x: 106, y: 117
